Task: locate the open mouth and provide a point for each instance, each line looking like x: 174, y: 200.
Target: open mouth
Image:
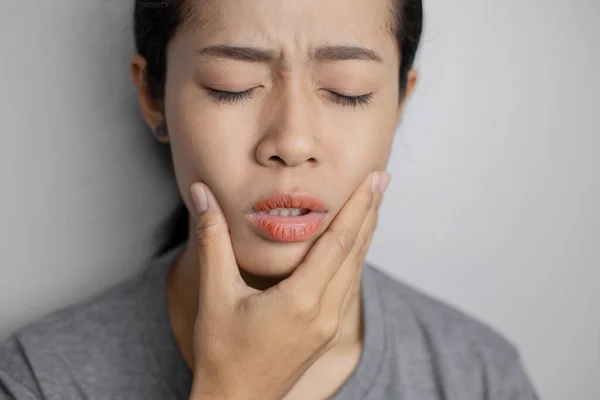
x: 288, y: 218
x: 288, y: 212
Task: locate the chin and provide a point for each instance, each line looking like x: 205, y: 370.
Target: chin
x: 273, y: 260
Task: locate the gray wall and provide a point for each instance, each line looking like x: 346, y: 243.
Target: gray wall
x: 493, y: 205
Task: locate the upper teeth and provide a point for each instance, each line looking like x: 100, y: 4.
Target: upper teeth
x: 286, y: 212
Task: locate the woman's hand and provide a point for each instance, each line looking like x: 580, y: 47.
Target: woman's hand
x: 256, y: 345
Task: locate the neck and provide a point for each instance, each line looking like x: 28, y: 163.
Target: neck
x: 182, y: 299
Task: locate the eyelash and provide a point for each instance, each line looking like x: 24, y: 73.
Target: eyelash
x: 233, y: 98
x: 362, y: 101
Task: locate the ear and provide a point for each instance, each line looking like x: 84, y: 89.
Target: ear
x: 410, y: 88
x: 152, y: 110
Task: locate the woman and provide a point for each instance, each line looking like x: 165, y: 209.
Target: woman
x: 280, y: 117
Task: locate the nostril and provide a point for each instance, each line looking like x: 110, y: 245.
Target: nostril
x: 277, y: 159
x: 290, y: 162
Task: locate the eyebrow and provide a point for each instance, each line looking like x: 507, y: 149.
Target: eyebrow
x: 341, y: 53
x: 256, y: 54
x: 241, y: 53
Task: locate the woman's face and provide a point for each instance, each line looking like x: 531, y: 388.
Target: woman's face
x: 317, y: 112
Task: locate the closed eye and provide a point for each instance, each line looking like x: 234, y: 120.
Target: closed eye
x: 231, y: 98
x: 351, y: 101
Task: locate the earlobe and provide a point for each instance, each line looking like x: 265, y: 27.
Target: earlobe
x: 161, y: 133
x: 149, y: 106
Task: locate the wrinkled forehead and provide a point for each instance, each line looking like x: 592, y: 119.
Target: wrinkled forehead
x: 291, y: 22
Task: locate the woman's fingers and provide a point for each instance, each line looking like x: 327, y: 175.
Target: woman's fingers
x: 219, y: 274
x: 341, y: 240
x: 333, y: 260
x: 298, y: 320
x: 346, y: 283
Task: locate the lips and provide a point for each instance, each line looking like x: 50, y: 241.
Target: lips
x: 289, y: 201
x: 289, y: 228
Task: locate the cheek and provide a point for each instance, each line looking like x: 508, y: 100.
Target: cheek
x: 363, y: 139
x: 208, y: 143
x: 356, y: 150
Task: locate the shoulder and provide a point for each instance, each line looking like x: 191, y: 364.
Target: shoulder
x: 457, y: 346
x: 438, y: 319
x: 78, y: 341
x: 95, y: 318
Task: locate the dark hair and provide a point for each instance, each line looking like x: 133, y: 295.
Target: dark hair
x: 156, y: 22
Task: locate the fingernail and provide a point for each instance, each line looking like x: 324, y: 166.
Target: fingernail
x: 384, y: 182
x: 199, y: 197
x: 375, y: 182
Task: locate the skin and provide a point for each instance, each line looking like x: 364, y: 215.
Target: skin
x: 288, y: 134
x: 268, y: 344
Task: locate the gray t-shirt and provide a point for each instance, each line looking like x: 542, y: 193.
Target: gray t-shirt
x: 119, y: 345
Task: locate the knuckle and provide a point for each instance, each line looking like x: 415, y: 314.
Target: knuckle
x: 328, y: 329
x: 345, y: 241
x: 208, y: 231
x: 305, y: 307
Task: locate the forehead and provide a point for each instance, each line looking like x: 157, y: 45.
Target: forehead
x: 292, y: 23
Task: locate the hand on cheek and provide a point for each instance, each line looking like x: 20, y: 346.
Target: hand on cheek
x: 247, y: 339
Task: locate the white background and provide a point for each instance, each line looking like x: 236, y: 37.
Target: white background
x: 496, y: 171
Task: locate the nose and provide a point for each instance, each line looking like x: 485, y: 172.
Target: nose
x: 290, y: 138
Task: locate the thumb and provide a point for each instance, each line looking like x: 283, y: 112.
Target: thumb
x: 216, y: 260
